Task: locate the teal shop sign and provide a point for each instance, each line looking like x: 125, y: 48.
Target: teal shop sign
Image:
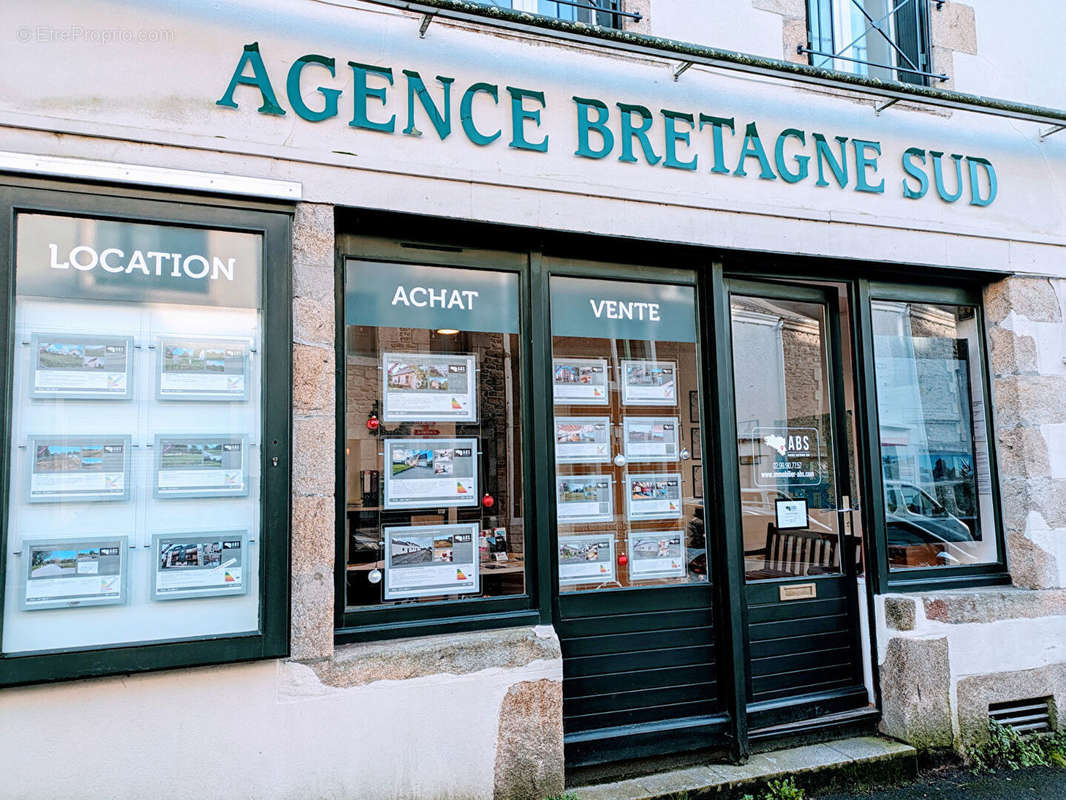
x: 410, y: 296
x: 599, y: 309
x: 689, y: 140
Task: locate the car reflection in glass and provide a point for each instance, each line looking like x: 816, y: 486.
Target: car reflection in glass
x: 914, y: 517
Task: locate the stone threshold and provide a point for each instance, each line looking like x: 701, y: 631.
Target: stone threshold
x: 863, y: 759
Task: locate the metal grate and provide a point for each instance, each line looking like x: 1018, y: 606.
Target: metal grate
x: 1023, y: 716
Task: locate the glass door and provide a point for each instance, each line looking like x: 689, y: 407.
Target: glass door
x: 800, y: 551
x: 633, y: 601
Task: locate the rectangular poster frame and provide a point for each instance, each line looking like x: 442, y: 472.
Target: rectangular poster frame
x: 632, y: 512
x: 79, y: 393
x: 579, y: 538
x: 600, y: 363
x: 561, y: 458
x: 628, y: 398
x: 34, y: 440
x: 679, y: 571
x: 627, y: 425
x: 581, y: 518
x: 174, y: 494
x: 29, y: 544
x: 468, y: 498
x: 469, y: 585
x: 183, y: 537
x: 205, y: 395
x: 390, y: 414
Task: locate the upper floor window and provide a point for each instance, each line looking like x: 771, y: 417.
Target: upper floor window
x: 883, y: 39
x: 606, y: 13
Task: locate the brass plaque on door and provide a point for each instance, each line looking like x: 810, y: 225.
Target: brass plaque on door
x: 798, y: 591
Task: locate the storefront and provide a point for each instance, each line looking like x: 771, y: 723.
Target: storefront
x: 478, y: 404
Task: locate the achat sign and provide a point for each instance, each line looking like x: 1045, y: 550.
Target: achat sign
x: 672, y: 139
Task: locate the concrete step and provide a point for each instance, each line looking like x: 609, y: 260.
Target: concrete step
x: 863, y: 759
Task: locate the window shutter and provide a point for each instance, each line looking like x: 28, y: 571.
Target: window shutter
x: 911, y: 39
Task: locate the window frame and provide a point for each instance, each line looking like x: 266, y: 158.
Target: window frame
x: 389, y: 621
x: 920, y: 579
x: 130, y: 204
x: 920, y: 32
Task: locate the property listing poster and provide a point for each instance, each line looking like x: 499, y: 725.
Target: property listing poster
x: 792, y: 460
x: 586, y: 558
x: 650, y: 438
x: 201, y: 466
x: 579, y: 381
x: 199, y: 565
x: 423, y: 561
x: 656, y: 554
x: 429, y: 388
x: 88, y: 367
x: 583, y: 440
x: 65, y: 574
x: 421, y: 473
x: 74, y: 468
x: 653, y: 496
x: 649, y: 383
x: 201, y: 369
x: 583, y: 498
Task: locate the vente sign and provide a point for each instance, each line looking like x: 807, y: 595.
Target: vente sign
x: 632, y: 133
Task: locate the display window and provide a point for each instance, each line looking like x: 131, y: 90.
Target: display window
x: 627, y: 430
x: 135, y: 490
x: 433, y: 437
x: 938, y: 494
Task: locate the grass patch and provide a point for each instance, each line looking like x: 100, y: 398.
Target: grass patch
x: 780, y: 790
x: 1006, y: 749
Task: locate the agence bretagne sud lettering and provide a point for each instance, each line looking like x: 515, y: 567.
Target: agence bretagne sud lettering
x: 631, y: 132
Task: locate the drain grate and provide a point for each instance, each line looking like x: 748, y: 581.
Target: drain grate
x: 1024, y: 716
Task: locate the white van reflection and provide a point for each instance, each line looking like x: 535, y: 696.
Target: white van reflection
x: 915, y: 517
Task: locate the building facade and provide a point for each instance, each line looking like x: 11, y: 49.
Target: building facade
x: 436, y: 400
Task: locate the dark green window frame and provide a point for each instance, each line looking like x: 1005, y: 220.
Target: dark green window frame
x: 390, y: 622
x: 274, y: 223
x: 923, y: 578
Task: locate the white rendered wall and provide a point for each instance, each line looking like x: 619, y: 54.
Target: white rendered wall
x: 266, y: 730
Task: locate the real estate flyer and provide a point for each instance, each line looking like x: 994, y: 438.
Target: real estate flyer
x: 650, y: 438
x: 429, y: 388
x: 426, y: 473
x: 649, y: 383
x: 583, y: 498
x: 97, y: 367
x: 423, y: 561
x: 653, y: 496
x: 72, y: 468
x: 203, y: 369
x: 199, y: 564
x: 579, y: 381
x: 201, y: 466
x: 582, y: 440
x: 74, y: 572
x: 793, y: 457
x: 656, y: 554
x: 586, y: 558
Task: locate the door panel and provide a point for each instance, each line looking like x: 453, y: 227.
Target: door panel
x: 635, y: 616
x: 792, y: 462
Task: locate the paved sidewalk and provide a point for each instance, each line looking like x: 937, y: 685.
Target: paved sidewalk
x: 1037, y: 783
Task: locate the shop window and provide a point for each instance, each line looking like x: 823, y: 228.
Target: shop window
x: 939, y: 508
x: 883, y: 39
x: 138, y: 437
x: 435, y: 507
x: 629, y: 491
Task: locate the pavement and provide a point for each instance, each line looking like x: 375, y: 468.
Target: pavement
x: 1034, y: 783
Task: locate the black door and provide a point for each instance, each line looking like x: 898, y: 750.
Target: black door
x: 634, y: 603
x: 792, y: 461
